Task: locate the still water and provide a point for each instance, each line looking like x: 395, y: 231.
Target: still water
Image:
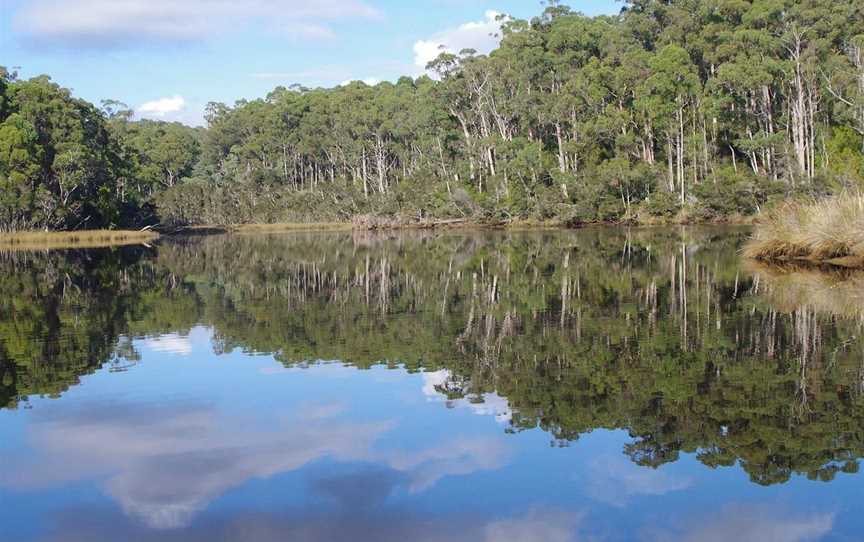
x: 603, y: 384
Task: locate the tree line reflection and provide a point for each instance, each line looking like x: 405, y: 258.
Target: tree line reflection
x: 662, y: 333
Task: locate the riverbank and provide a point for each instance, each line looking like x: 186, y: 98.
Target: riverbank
x: 361, y: 224
x: 40, y: 240
x: 107, y: 238
x: 383, y: 223
x: 829, y: 231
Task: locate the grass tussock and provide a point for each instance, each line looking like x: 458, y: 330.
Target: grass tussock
x: 829, y: 230
x: 38, y: 240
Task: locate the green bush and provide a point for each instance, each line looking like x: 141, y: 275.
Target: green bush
x: 662, y: 204
x: 730, y: 193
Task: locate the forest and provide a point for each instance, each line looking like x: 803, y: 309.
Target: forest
x: 672, y: 110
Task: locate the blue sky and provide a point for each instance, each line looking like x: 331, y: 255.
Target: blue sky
x: 168, y: 58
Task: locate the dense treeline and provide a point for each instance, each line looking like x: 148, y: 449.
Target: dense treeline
x: 656, y: 333
x: 66, y: 164
x: 674, y: 108
x: 710, y: 106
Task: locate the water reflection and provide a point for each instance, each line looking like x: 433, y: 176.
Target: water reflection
x: 438, y: 386
x: 312, y: 525
x: 537, y: 525
x: 750, y: 524
x: 659, y: 336
x: 614, y: 480
x: 165, y: 463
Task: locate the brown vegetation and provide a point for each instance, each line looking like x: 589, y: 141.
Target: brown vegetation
x: 829, y: 231
x: 40, y: 240
x: 289, y: 226
x: 376, y: 222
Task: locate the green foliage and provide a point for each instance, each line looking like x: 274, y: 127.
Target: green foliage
x: 20, y: 165
x: 730, y: 193
x: 573, y: 119
x: 162, y: 153
x: 662, y: 204
x: 66, y: 165
x: 846, y: 159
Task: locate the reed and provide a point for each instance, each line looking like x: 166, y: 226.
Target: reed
x: 829, y: 230
x: 41, y: 240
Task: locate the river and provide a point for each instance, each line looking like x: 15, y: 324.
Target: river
x: 599, y: 384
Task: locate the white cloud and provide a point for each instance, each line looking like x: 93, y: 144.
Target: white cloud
x: 488, y: 404
x: 483, y: 36
x: 369, y: 81
x: 162, y: 107
x: 101, y: 23
x: 427, y: 51
x: 169, y: 344
x: 536, y: 526
x: 453, y: 458
x: 165, y: 463
x: 616, y: 480
x: 752, y: 523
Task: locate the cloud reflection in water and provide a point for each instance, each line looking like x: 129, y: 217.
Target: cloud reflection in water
x: 165, y: 463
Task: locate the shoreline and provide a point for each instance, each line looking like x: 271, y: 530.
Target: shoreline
x: 853, y: 262
x: 58, y: 240
x: 386, y: 224
x: 54, y: 240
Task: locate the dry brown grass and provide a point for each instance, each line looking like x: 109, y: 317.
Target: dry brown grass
x: 830, y: 230
x: 289, y: 226
x: 40, y: 240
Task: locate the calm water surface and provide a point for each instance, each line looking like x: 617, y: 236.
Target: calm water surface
x: 592, y: 385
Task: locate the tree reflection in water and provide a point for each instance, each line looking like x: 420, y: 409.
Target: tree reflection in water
x: 660, y: 332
